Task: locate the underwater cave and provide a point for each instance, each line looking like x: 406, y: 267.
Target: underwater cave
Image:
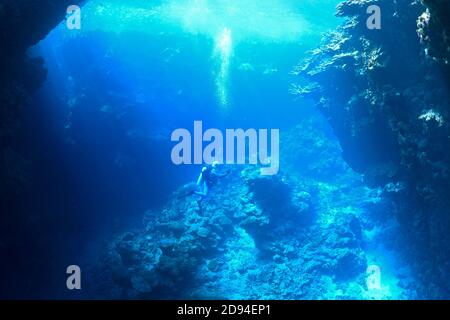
x: 95, y: 95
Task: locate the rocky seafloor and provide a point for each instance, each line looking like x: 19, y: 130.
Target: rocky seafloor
x: 290, y: 236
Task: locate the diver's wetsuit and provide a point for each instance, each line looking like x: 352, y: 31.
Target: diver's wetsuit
x: 207, y: 179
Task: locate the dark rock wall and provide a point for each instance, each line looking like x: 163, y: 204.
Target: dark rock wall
x: 436, y: 31
x: 23, y: 23
x: 385, y: 94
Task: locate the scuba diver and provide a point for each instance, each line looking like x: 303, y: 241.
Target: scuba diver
x: 207, y: 179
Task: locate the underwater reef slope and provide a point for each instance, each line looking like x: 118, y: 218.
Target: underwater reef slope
x: 289, y: 236
x: 385, y: 93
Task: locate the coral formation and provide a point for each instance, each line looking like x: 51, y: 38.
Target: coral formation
x: 385, y: 94
x: 434, y: 30
x: 288, y: 236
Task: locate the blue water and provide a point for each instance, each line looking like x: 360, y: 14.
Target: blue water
x: 136, y: 71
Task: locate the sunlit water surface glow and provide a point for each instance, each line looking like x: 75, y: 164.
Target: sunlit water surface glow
x: 263, y: 20
x: 225, y: 22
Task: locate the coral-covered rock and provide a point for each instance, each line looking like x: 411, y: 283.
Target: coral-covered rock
x: 254, y: 237
x: 434, y: 29
x: 388, y: 105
